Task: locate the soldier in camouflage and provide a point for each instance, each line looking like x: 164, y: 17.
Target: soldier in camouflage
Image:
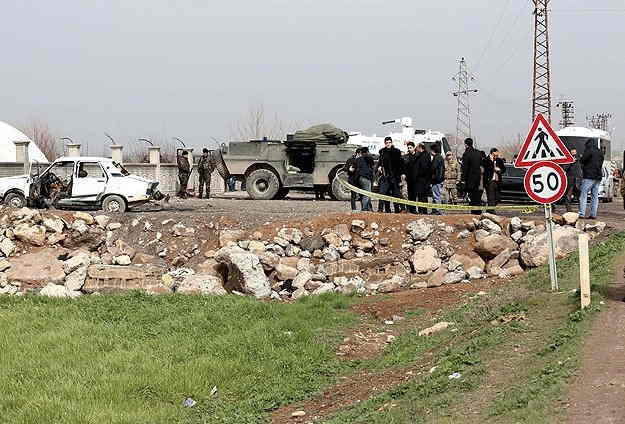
x: 205, y: 168
x: 451, y: 178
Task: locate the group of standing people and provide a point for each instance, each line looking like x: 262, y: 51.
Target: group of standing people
x: 584, y: 177
x: 422, y: 172
x: 205, y: 167
x: 481, y: 173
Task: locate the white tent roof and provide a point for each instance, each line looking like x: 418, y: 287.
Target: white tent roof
x: 8, y: 135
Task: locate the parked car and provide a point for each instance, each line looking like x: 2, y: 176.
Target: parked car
x: 512, y: 188
x: 80, y: 182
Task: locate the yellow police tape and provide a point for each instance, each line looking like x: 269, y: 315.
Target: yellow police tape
x: 522, y: 209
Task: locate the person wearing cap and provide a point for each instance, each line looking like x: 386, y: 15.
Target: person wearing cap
x: 205, y: 168
x: 184, y: 171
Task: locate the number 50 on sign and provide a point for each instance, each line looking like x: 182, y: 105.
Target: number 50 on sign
x: 545, y: 182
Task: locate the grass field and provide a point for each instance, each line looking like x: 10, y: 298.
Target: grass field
x: 134, y: 358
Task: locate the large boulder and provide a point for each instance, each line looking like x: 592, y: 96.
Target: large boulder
x: 292, y: 235
x: 535, y: 250
x: 312, y: 243
x: 31, y: 234
x: 285, y: 272
x: 7, y: 247
x: 87, y: 217
x: 490, y: 226
x: 201, y: 284
x: 495, y: 266
x: 420, y: 230
x: 245, y: 272
x: 76, y: 279
x: 425, y: 259
x: 469, y: 261
x: 227, y: 237
x: 53, y: 290
x: 570, y: 218
x: 54, y: 225
x: 492, y: 245
x: 113, y: 278
x: 37, y: 269
x: 91, y: 239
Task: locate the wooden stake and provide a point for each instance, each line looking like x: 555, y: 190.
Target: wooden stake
x: 584, y: 270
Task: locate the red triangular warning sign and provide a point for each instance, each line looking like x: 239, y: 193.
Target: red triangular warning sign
x: 542, y: 145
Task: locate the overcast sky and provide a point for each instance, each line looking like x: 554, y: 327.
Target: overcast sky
x: 190, y: 68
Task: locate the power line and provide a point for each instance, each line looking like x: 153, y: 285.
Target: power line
x: 587, y: 10
x: 492, y: 34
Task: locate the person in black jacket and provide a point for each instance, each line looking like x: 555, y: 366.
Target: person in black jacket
x: 438, y: 176
x: 364, y: 176
x: 418, y: 175
x: 592, y: 165
x: 471, y: 174
x: 574, y: 180
x: 494, y: 168
x: 390, y: 168
x: 351, y: 170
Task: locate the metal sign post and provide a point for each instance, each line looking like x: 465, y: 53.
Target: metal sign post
x: 545, y: 182
x: 553, y: 270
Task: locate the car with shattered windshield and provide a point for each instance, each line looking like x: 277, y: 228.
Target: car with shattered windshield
x: 80, y: 183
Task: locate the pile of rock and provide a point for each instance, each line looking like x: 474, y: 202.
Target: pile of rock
x: 66, y: 257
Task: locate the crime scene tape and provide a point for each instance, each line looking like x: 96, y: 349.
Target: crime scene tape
x: 521, y: 208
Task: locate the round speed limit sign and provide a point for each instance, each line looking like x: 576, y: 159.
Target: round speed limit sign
x: 545, y: 182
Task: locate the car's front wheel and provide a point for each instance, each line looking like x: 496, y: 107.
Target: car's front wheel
x: 15, y: 200
x: 114, y: 204
x: 262, y: 184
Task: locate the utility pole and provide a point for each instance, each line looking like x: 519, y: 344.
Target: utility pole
x: 568, y: 113
x: 463, y: 118
x: 599, y: 121
x: 541, y: 102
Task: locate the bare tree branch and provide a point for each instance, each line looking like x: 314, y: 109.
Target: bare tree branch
x: 255, y: 125
x: 39, y: 132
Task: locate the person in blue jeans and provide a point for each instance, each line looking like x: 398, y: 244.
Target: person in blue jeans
x: 592, y: 164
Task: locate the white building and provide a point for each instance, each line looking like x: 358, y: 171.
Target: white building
x: 8, y: 135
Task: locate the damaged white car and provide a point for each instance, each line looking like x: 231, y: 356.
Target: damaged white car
x: 80, y: 182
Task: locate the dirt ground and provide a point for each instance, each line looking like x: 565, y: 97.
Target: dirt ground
x: 598, y: 392
x: 254, y: 213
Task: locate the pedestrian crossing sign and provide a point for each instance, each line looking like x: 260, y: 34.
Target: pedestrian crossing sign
x: 542, y: 145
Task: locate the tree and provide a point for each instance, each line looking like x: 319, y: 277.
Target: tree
x: 510, y: 148
x: 40, y: 134
x: 255, y: 125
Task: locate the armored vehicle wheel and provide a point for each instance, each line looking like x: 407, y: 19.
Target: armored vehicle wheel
x: 337, y: 190
x: 16, y: 200
x: 282, y: 193
x: 262, y: 184
x: 114, y: 204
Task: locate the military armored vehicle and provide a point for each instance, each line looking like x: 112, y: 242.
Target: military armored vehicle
x: 312, y: 159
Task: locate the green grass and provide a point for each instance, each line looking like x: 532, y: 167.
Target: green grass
x: 511, y: 373
x: 134, y: 358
